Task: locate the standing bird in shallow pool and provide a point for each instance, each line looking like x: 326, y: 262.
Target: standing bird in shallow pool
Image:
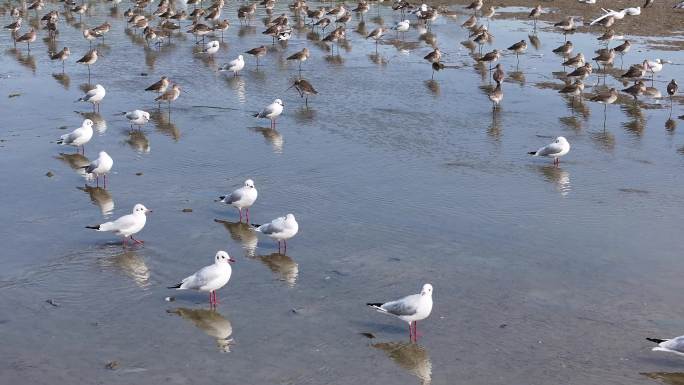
x: 496, y: 96
x: 672, y: 89
x: 304, y: 88
x: 281, y: 229
x: 535, y: 13
x: 127, y: 225
x: 242, y: 198
x: 94, y: 96
x: 100, y: 166
x: 209, y: 278
x: 411, y: 309
x: 272, y: 111
x: 555, y: 150
x: 78, y: 137
x: 234, y: 66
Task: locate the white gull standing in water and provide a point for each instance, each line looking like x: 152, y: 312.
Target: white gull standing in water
x: 280, y: 229
x: 100, y: 166
x: 78, y: 137
x: 127, y: 225
x: 209, y: 278
x: 555, y: 150
x: 242, y: 198
x: 411, y: 309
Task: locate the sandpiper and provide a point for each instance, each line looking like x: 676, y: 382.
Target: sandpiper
x: 475, y: 6
x: 29, y: 37
x: 376, y: 35
x: 535, y: 13
x: 199, y: 29
x: 300, y: 56
x: 582, y: 72
x: 258, y: 52
x: 496, y: 96
x: 636, y: 71
x: 323, y: 23
x: 499, y: 74
x: 61, y: 55
x: 88, y: 59
x: 305, y: 89
x: 101, y: 30
x: 159, y: 87
x: 436, y: 67
x: 489, y: 57
x: 518, y: 48
x: 470, y: 22
x: 636, y: 89
x: 222, y: 26
x: 434, y: 56
x: 566, y: 25
x: 335, y: 36
x: 573, y: 89
x: 575, y: 61
x: 606, y: 97
x: 605, y: 58
x: 565, y: 49
x: 672, y: 89
x: 622, y: 49
x: 170, y: 95
x: 246, y: 12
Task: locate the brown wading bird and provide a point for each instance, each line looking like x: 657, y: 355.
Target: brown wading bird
x: 622, y: 49
x: 489, y: 57
x: 576, y: 61
x: 88, y: 59
x: 605, y: 98
x: 434, y: 56
x: 672, y: 88
x: 535, y: 13
x: 496, y: 96
x: 573, y: 89
x: 304, y: 88
x: 499, y: 75
x: 61, y: 55
x: 334, y: 37
x: 636, y: 71
x: 582, y: 72
x: 29, y: 37
x: 518, y: 48
x: 376, y: 35
x: 258, y: 52
x: 159, y: 87
x: 565, y: 49
x: 475, y: 6
x: 605, y: 58
x: 638, y: 88
x: 566, y: 25
x: 300, y: 56
x: 169, y: 96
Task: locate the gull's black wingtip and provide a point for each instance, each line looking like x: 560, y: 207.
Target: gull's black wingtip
x: 656, y: 340
x: 93, y: 227
x: 532, y: 153
x: 374, y: 304
x: 174, y: 287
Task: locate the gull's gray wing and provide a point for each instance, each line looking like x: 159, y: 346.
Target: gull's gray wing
x: 92, y: 166
x: 676, y: 344
x: 202, y: 277
x: 551, y: 149
x: 275, y: 227
x: 403, y: 307
x: 235, y: 196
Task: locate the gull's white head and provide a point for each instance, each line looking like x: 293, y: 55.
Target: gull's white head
x: 240, y: 58
x: 278, y: 101
x: 289, y: 217
x: 146, y: 115
x: 102, y: 154
x: 87, y: 123
x: 99, y: 87
x: 427, y: 290
x: 223, y: 257
x: 141, y: 209
x: 561, y: 140
x: 249, y: 183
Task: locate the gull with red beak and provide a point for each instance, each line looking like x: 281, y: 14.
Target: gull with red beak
x: 209, y: 278
x: 127, y: 225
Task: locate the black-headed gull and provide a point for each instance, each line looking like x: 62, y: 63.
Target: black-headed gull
x: 411, y: 309
x: 78, y: 137
x: 127, y: 225
x: 674, y: 345
x: 211, y: 47
x: 138, y: 117
x: 555, y: 150
x: 280, y: 229
x: 100, y: 166
x: 209, y: 278
x: 234, y: 66
x: 272, y: 111
x: 94, y: 96
x: 242, y: 198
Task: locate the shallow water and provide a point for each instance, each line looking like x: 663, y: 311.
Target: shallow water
x: 541, y: 274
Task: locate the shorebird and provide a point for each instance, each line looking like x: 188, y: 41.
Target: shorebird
x: 518, y: 48
x: 498, y: 75
x: 622, y: 49
x: 555, y: 150
x: 211, y: 47
x: 606, y: 98
x: 434, y: 56
x: 469, y: 23
x: 607, y: 36
x: 137, y: 117
x: 573, y: 89
x: 638, y: 88
x: 169, y: 96
x: 13, y: 28
x: 29, y: 37
x: 411, y: 309
x: 361, y: 8
x: 89, y: 36
x: 222, y: 26
x: 582, y: 72
x: 234, y: 66
x: 636, y: 71
x: 402, y: 27
x: 271, y: 112
x: 245, y: 12
x: 496, y: 96
x: 376, y: 35
x: 78, y: 137
x: 576, y: 61
x: 159, y: 87
x: 88, y: 59
x: 566, y: 25
x: 61, y: 55
x: 475, y: 6
x: 323, y: 23
x: 338, y: 11
x: 127, y: 225
x: 344, y: 19
x: 80, y: 10
x: 305, y: 89
x: 672, y: 89
x: 100, y: 167
x: 489, y: 57
x: 535, y: 13
x: 242, y: 198
x: 281, y: 229
x: 199, y: 29
x: 565, y: 49
x: 300, y: 56
x: 258, y: 52
x: 94, y: 96
x: 334, y: 37
x: 605, y: 58
x: 209, y: 278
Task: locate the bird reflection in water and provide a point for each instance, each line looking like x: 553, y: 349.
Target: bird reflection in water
x: 100, y: 198
x: 131, y: 264
x: 378, y: 59
x: 99, y: 124
x: 62, y: 79
x: 272, y: 136
x: 243, y: 233
x: 284, y: 267
x: 534, y: 40
x: 558, y: 177
x: 237, y: 84
x: 304, y: 114
x: 138, y: 141
x: 494, y: 130
x: 432, y: 86
x: 76, y: 161
x: 409, y: 356
x: 163, y: 124
x: 671, y: 125
x: 210, y: 322
x: 666, y: 378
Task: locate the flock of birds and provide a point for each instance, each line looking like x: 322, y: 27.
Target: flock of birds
x: 207, y: 21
